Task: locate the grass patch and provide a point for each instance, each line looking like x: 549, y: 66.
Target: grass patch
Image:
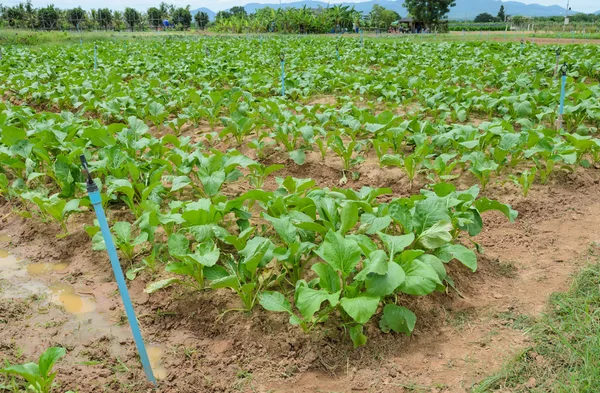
x: 565, y: 356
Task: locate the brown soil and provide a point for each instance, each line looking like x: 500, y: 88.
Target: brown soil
x: 457, y: 341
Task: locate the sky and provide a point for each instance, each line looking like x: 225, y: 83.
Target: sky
x: 216, y: 5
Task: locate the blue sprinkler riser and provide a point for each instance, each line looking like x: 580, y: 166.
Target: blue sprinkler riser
x: 96, y: 200
x: 562, y: 94
x: 282, y: 78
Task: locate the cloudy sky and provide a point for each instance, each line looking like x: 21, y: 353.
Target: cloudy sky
x: 216, y: 5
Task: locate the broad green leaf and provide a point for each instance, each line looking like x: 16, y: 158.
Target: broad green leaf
x: 71, y: 206
x: 436, y: 236
x: 485, y: 204
x: 402, y: 215
x: 310, y: 300
x: 457, y: 251
x: 348, y: 217
x: 230, y: 281
x: 421, y: 278
x: 298, y: 156
x: 397, y: 318
x: 274, y: 301
x: 49, y: 358
x: 341, y: 253
x: 178, y: 244
x: 429, y: 212
x: 155, y: 286
x: 122, y: 230
x: 215, y: 272
x: 329, y: 279
x: 284, y: 228
x: 396, y: 244
x: 180, y: 182
x: 382, y: 285
x: 360, y: 308
x: 10, y: 135
x: 372, y: 224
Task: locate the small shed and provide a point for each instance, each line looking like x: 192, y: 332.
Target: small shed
x: 411, y: 25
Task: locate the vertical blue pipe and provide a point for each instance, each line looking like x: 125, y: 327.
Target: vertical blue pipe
x: 337, y: 51
x: 95, y: 58
x: 96, y: 201
x: 282, y: 77
x: 362, y: 42
x: 562, y: 92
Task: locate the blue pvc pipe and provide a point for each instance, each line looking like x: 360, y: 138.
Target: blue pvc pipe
x: 96, y: 200
x: 562, y: 94
x: 95, y: 58
x: 337, y: 51
x: 282, y: 78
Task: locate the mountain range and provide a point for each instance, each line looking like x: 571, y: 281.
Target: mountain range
x: 464, y: 9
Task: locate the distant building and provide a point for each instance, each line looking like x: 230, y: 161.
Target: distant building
x: 410, y: 25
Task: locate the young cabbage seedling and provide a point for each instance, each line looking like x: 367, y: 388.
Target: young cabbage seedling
x: 39, y: 376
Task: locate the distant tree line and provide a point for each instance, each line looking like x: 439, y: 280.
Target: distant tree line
x: 329, y: 19
x: 24, y: 15
x: 502, y: 17
x: 336, y: 18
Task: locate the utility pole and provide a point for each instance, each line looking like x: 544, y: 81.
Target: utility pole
x: 567, y: 13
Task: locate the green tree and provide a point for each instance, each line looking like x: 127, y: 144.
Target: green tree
x: 105, y: 17
x: 501, y: 14
x: 119, y: 21
x: 238, y: 11
x: 15, y: 15
x: 201, y: 19
x: 154, y: 17
x: 166, y: 10
x: 429, y: 12
x: 132, y: 18
x: 222, y: 15
x: 76, y: 16
x: 382, y: 17
x: 485, y: 18
x: 182, y: 17
x: 48, y: 17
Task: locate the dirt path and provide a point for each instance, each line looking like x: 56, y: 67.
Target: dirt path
x: 457, y: 341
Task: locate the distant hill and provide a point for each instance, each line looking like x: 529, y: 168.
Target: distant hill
x: 211, y: 14
x: 464, y: 9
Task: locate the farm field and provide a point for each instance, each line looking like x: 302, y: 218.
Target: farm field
x: 392, y: 219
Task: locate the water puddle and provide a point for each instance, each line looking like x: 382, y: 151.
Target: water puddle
x: 73, y: 303
x: 35, y: 269
x: 155, y: 354
x: 9, y: 266
x: 21, y: 280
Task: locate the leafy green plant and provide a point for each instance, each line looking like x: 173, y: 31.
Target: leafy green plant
x: 39, y: 376
x: 188, y: 263
x: 525, y: 180
x: 123, y: 239
x: 54, y: 208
